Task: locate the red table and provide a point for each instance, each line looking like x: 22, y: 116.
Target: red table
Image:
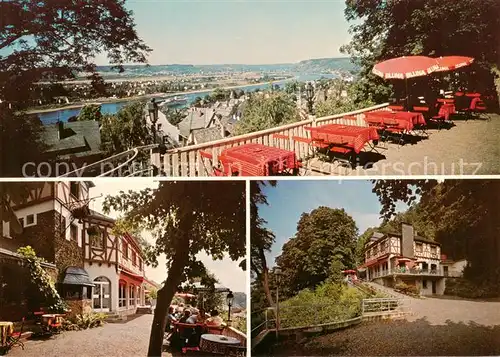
x: 446, y: 110
x: 351, y: 136
x: 257, y: 160
x: 404, y: 120
x: 446, y: 100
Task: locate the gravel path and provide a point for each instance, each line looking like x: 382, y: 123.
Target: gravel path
x: 114, y: 339
x: 438, y: 327
x: 470, y: 147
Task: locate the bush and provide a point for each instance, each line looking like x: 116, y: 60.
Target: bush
x: 407, y: 289
x: 84, y: 321
x: 330, y: 302
x: 470, y: 289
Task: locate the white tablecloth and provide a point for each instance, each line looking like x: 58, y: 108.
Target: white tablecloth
x: 220, y: 339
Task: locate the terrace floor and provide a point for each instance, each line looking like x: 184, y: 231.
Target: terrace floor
x: 113, y: 339
x: 470, y: 147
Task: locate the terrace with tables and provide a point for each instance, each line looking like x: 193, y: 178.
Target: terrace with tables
x: 356, y: 142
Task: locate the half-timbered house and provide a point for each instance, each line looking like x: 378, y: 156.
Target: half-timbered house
x: 406, y: 257
x: 95, y: 270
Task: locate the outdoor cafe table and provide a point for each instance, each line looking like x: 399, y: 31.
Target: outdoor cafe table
x: 6, y: 328
x: 257, y: 160
x: 217, y: 343
x: 404, y: 120
x: 354, y: 137
x: 446, y: 109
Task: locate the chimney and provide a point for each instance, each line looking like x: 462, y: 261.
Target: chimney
x: 407, y: 240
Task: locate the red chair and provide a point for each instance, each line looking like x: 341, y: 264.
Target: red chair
x: 14, y: 339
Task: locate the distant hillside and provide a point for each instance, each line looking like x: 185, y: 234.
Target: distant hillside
x: 311, y: 66
x: 320, y: 65
x: 240, y: 300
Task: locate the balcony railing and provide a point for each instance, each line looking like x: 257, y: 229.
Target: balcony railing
x: 405, y: 271
x: 187, y: 161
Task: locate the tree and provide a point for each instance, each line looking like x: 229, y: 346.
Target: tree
x: 20, y: 131
x: 360, y: 245
x: 126, y: 129
x: 186, y: 218
x: 268, y: 111
x: 324, y: 244
x: 53, y: 40
x: 261, y: 238
x: 386, y: 29
x: 98, y: 85
x: 90, y: 112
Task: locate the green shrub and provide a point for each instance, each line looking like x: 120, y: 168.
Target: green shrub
x: 84, y: 321
x: 330, y: 302
x: 470, y: 289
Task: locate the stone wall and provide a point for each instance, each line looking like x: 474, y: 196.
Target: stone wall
x: 40, y: 236
x: 79, y: 307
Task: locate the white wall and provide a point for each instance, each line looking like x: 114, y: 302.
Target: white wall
x: 166, y: 129
x: 96, y: 271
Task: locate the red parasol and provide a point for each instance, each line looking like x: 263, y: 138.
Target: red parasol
x: 349, y: 271
x: 185, y: 295
x: 449, y: 63
x: 404, y: 260
x: 405, y: 67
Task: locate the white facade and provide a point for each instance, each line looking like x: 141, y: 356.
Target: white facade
x: 165, y: 129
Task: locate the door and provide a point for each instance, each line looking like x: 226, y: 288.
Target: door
x: 101, y: 298
x: 433, y: 287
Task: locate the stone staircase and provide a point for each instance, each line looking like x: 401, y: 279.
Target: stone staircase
x: 405, y: 301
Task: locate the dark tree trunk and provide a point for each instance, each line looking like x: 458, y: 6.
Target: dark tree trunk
x: 165, y: 295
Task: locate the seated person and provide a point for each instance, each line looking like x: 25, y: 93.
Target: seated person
x: 194, y: 318
x: 170, y: 319
x: 202, y: 316
x: 214, y: 319
x: 185, y: 316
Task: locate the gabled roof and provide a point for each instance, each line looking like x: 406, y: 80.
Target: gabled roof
x: 95, y: 214
x: 207, y: 135
x: 198, y: 118
x: 80, y: 138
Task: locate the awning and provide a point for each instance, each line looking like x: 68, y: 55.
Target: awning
x: 218, y: 288
x: 130, y: 277
x: 77, y: 276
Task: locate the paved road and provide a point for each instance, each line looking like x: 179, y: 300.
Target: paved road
x: 438, y: 327
x: 115, y: 339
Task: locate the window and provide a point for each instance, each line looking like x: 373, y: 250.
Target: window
x: 74, y: 188
x: 125, y: 250
x: 97, y: 239
x: 418, y: 247
x: 138, y: 296
x: 424, y: 284
x: 445, y: 270
x: 6, y: 229
x: 74, y: 233
x: 158, y: 126
x: 140, y: 264
x: 122, y: 299
x: 131, y: 295
x: 28, y: 221
x: 134, y: 257
x: 433, y: 249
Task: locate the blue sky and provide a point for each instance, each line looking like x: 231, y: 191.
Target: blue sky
x: 289, y: 199
x: 239, y: 31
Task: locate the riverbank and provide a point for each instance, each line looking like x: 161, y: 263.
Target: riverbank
x: 80, y: 105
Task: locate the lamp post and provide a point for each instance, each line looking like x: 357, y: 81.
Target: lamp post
x: 277, y: 273
x: 310, y: 97
x: 229, y: 300
x: 153, y: 116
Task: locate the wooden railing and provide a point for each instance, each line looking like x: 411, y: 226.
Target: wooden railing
x: 187, y: 161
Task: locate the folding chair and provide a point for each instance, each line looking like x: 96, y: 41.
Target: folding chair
x: 216, y: 171
x: 14, y: 339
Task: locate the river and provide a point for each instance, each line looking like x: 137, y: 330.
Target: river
x: 112, y: 108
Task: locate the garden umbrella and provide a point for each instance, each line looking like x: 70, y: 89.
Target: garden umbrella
x: 185, y: 295
x: 450, y: 63
x: 405, y: 67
